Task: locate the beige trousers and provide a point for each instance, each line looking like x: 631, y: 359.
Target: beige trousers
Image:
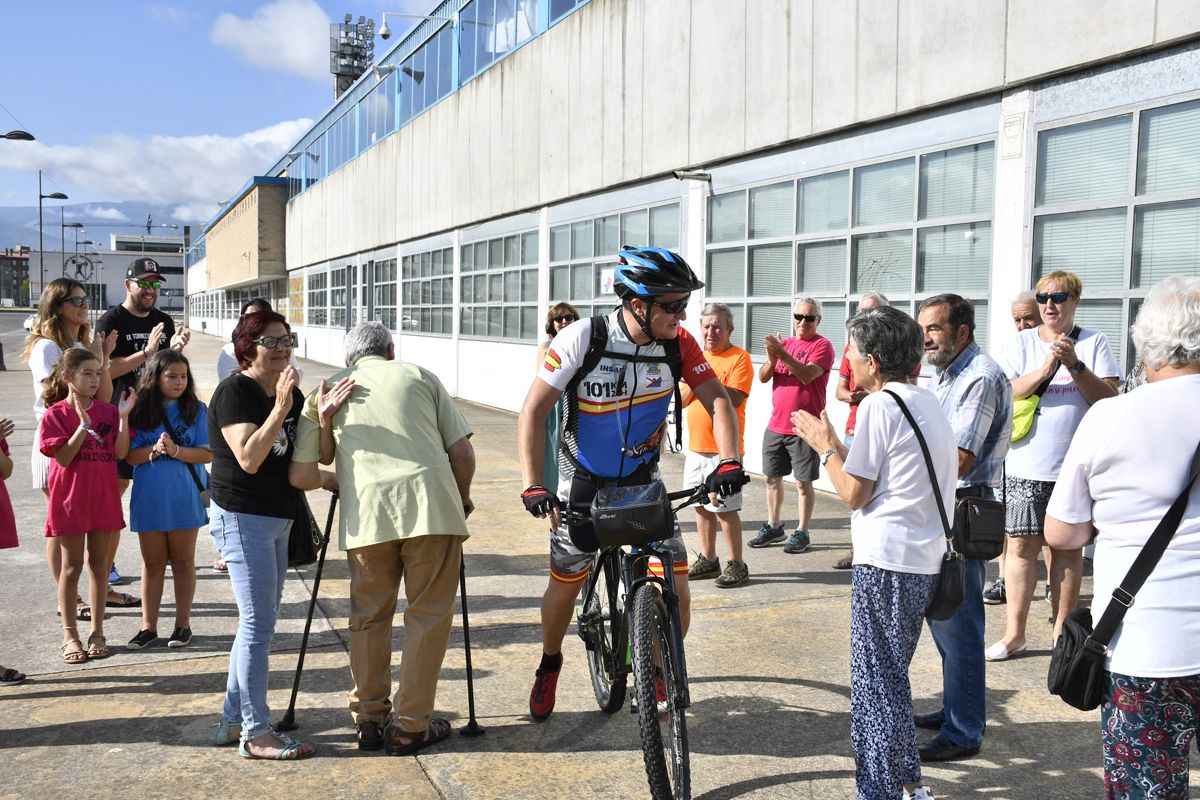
x: 429, y: 567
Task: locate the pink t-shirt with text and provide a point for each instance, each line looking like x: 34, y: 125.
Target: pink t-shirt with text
x: 8, y: 522
x: 788, y: 394
x: 84, y: 495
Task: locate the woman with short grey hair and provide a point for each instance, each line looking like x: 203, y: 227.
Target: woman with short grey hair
x: 1114, y: 490
x: 898, y: 539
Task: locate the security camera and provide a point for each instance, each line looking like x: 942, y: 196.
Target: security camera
x: 692, y: 175
x: 385, y: 32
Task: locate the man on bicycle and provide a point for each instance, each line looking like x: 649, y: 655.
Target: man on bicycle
x: 613, y: 424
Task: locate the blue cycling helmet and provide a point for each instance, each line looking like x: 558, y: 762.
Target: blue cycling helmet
x: 652, y: 271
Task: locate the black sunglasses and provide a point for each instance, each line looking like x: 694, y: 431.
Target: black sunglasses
x: 1057, y: 297
x: 805, y: 317
x: 565, y: 318
x: 277, y: 342
x: 76, y: 300
x: 673, y: 307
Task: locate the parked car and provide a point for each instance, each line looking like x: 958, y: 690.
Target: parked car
x: 28, y: 325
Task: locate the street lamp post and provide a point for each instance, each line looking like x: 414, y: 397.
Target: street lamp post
x: 41, y: 239
x: 62, y: 239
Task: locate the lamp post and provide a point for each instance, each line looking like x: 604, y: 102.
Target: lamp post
x: 62, y: 239
x: 20, y: 136
x: 41, y: 241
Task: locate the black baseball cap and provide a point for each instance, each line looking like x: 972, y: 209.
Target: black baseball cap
x: 144, y: 269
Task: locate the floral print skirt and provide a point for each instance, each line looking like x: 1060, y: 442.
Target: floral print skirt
x: 1149, y: 725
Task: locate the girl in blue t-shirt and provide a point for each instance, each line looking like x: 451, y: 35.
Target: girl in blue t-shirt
x: 168, y: 453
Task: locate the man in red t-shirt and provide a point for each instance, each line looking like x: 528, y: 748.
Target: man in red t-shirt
x: 798, y: 369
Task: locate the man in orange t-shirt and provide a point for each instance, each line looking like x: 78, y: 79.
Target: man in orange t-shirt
x: 735, y: 371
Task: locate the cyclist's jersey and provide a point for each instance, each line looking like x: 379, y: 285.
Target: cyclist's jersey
x: 620, y: 405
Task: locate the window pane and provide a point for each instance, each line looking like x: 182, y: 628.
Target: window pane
x: 1167, y: 152
x: 467, y: 252
x: 771, y: 270
x: 581, y: 239
x: 981, y: 323
x: 480, y: 288
x: 496, y: 253
x: 466, y: 42
x: 512, y: 287
x: 822, y: 267
x: 954, y: 258
x: 634, y: 230
x: 739, y: 327
x: 529, y: 285
x: 958, y: 181
x: 512, y: 251
x: 464, y: 324
x: 560, y: 7
x: 496, y: 288
x: 465, y: 291
x: 581, y: 281
x: 882, y: 262
x: 495, y: 322
x: 1166, y: 241
x: 479, y: 325
x: 726, y: 273
x: 1104, y: 316
x: 512, y: 322
x: 529, y: 323
x: 771, y: 210
x: 664, y: 226
x: 529, y: 248
x: 560, y: 243
x: 608, y: 235
x: 560, y: 284
x: 883, y: 193
x: 727, y: 217
x: 833, y: 328
x: 1084, y: 163
x: 766, y: 319
x: 481, y: 255
x: 1091, y: 244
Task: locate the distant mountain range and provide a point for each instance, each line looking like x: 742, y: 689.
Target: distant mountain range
x: 19, y: 224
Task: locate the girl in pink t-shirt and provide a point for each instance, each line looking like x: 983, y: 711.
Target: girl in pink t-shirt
x: 84, y: 437
x: 8, y: 527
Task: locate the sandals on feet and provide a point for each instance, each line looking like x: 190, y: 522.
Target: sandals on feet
x: 82, y: 612
x: 438, y: 730
x: 11, y: 677
x: 127, y: 601
x: 227, y: 733
x: 289, y: 750
x: 73, y: 652
x: 97, y: 647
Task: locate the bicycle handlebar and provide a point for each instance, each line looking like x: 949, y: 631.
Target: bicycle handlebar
x: 693, y: 496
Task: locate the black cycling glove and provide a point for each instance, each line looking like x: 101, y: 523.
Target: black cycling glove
x: 539, y: 500
x: 727, y: 479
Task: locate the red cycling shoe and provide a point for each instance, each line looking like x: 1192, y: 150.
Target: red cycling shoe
x: 541, y: 699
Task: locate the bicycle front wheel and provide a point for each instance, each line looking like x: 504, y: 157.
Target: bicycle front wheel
x: 661, y: 717
x: 600, y: 624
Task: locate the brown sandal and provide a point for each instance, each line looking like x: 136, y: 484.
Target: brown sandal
x: 73, y: 652
x: 97, y: 647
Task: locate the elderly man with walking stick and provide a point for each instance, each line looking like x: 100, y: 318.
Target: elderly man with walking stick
x: 404, y: 464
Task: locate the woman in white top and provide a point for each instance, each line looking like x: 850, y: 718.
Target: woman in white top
x: 61, y: 323
x: 1081, y: 369
x: 1127, y: 464
x: 898, y: 539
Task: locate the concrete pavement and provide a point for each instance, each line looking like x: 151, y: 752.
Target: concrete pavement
x: 769, y: 667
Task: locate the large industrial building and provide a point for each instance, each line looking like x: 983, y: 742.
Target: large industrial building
x: 492, y: 162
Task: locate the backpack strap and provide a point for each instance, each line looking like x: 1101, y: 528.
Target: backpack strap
x: 597, y: 344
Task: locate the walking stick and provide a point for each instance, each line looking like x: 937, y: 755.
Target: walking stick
x: 288, y: 723
x: 472, y: 728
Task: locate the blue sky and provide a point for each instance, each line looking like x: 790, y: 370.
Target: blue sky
x: 176, y: 102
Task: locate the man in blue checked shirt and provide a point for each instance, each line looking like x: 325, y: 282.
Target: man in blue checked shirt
x: 977, y: 398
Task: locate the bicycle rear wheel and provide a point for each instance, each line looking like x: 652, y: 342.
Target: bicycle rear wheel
x: 599, y: 625
x: 663, y: 725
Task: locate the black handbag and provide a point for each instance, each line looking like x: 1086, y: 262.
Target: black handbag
x: 952, y: 577
x: 1077, y: 665
x: 979, y: 527
x: 305, y: 539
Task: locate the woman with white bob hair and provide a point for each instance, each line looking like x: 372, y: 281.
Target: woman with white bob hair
x: 1129, y: 460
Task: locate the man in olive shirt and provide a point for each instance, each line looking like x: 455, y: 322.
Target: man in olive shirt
x: 404, y: 463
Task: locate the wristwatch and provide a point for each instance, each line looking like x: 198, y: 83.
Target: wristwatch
x: 1078, y: 369
x: 825, y: 455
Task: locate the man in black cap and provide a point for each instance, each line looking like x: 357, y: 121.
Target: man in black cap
x: 141, y: 330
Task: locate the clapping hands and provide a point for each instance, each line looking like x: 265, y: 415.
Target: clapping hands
x: 330, y: 400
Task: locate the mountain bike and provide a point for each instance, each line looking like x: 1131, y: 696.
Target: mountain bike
x: 629, y: 623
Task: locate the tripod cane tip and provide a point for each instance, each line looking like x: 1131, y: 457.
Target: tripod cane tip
x: 472, y: 729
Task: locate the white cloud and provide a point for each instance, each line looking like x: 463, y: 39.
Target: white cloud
x: 290, y: 36
x: 195, y: 171
x: 195, y: 212
x: 99, y: 212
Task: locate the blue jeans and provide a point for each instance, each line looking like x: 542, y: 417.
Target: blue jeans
x: 255, y: 548
x: 960, y: 642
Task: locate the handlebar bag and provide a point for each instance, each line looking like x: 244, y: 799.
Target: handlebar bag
x: 632, y: 515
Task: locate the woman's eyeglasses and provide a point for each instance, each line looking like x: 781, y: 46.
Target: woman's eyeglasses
x: 277, y: 342
x: 76, y: 300
x: 673, y: 307
x: 1057, y: 297
x: 805, y: 317
x: 566, y: 319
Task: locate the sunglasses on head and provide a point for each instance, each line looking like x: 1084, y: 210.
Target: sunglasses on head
x: 76, y: 300
x: 565, y: 318
x: 148, y: 284
x: 277, y: 342
x: 1057, y: 297
x: 673, y: 307
x: 805, y: 317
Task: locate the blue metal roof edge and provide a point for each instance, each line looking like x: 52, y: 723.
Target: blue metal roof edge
x: 257, y: 180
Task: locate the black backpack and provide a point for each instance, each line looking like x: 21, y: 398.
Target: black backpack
x: 596, y: 351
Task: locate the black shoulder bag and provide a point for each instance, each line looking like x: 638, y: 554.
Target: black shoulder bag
x: 304, y: 542
x: 952, y: 578
x: 1077, y: 665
